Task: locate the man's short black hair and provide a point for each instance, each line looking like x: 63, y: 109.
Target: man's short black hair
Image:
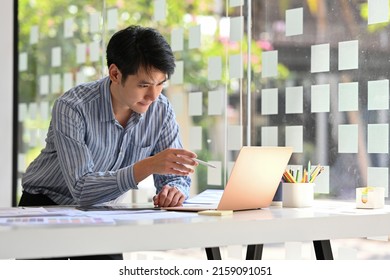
x: 137, y: 47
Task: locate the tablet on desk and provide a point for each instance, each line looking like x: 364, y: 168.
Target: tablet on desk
x: 117, y: 207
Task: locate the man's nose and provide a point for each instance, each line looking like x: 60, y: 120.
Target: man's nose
x: 153, y: 92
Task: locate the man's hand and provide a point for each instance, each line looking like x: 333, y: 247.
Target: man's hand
x: 170, y: 161
x: 168, y: 197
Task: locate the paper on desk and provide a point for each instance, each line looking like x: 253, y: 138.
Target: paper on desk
x: 209, y: 196
x: 55, y: 220
x: 38, y: 211
x: 146, y: 216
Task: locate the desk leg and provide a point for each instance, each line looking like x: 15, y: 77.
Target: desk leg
x: 213, y: 253
x: 323, y: 249
x: 254, y: 252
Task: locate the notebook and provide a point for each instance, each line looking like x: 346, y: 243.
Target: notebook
x: 253, y: 181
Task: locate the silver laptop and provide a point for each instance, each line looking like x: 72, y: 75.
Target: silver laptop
x: 253, y: 181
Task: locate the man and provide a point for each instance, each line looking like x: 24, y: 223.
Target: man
x: 107, y: 136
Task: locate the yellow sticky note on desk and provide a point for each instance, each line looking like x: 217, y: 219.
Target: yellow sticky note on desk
x: 216, y: 212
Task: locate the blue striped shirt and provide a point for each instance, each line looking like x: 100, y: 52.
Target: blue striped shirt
x: 89, y: 156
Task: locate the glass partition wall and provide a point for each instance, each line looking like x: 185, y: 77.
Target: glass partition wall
x: 308, y: 74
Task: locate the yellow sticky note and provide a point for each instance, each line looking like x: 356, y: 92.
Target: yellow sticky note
x: 216, y: 212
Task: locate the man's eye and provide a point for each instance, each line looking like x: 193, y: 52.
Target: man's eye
x: 143, y: 85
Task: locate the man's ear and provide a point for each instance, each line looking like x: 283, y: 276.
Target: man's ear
x: 115, y: 74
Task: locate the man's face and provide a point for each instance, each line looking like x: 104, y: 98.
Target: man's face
x: 138, y: 91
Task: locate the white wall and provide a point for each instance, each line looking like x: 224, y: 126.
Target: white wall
x: 6, y: 97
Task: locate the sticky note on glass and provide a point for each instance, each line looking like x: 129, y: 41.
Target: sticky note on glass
x: 94, y: 22
x: 320, y: 57
x: 196, y: 138
x: 214, y: 174
x: 236, y: 3
x: 68, y: 81
x: 294, y: 22
x: 348, y: 55
x: 68, y: 28
x: 94, y: 51
x: 294, y: 100
x: 378, y: 95
x: 320, y: 98
x: 378, y: 11
x: 270, y: 64
x: 194, y: 40
x: 235, y: 66
x: 34, y: 34
x: 348, y: 97
x: 236, y: 28
x: 177, y: 77
x: 348, y: 138
x: 159, y: 10
x: 177, y: 39
x: 55, y: 83
x: 269, y: 101
x: 378, y: 138
x: 56, y: 57
x: 23, y: 61
x: 195, y: 101
x: 44, y: 84
x: 215, y: 68
x: 234, y: 137
x: 112, y: 19
x: 81, y: 53
x: 269, y: 136
x: 294, y: 138
x: 215, y: 102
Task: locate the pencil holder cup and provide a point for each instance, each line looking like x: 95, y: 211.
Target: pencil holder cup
x: 298, y: 195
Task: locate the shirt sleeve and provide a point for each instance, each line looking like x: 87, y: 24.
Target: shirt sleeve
x: 86, y: 186
x: 170, y: 138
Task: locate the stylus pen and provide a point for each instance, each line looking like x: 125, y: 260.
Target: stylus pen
x: 204, y: 163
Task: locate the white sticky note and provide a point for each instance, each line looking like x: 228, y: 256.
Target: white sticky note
x: 94, y: 20
x: 194, y: 40
x: 294, y: 138
x: 234, y: 134
x: 196, y: 138
x: 44, y: 110
x: 236, y: 28
x: 269, y: 136
x: 68, y: 81
x: 56, y: 57
x: 177, y: 102
x: 230, y: 167
x: 378, y: 177
x: 320, y: 57
x: 22, y: 112
x: 378, y: 138
x: 270, y: 64
x: 348, y: 138
x: 348, y: 97
x: 378, y: 11
x: 112, y: 19
x: 294, y: 22
x: 44, y: 84
x: 235, y: 66
x: 215, y: 68
x: 68, y: 28
x: 236, y: 3
x: 159, y: 10
x: 81, y: 53
x: 322, y: 181
x: 320, y: 98
x: 214, y: 175
x: 177, y: 39
x: 294, y: 100
x: 94, y: 51
x: 22, y: 163
x: 23, y: 61
x: 32, y: 110
x: 378, y: 95
x: 269, y: 101
x: 195, y: 102
x: 215, y: 102
x: 178, y: 75
x: 34, y: 34
x: 348, y: 55
x: 55, y: 83
x: 80, y: 77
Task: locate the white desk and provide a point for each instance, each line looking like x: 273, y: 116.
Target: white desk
x: 321, y: 223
